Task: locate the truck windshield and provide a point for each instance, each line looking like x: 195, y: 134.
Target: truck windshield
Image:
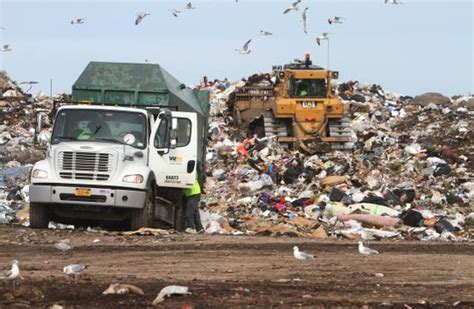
x: 308, y: 88
x: 107, y: 126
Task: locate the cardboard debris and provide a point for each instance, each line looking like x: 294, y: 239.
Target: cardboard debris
x: 146, y: 231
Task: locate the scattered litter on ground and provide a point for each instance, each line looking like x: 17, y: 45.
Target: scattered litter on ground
x: 169, y: 291
x: 123, y: 288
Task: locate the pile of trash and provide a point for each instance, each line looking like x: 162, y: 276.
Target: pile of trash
x: 410, y: 175
x: 17, y: 148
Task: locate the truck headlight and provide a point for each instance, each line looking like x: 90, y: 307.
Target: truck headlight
x: 40, y: 174
x: 133, y: 178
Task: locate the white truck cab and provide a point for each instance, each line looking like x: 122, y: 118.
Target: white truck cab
x: 115, y: 164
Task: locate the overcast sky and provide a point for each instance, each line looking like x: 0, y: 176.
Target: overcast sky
x: 419, y: 46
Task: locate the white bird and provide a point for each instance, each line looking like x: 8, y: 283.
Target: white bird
x: 265, y: 33
x: 12, y: 274
x: 74, y: 270
x: 140, y: 17
x: 63, y: 245
x: 6, y: 48
x: 335, y: 20
x: 366, y: 250
x: 304, y: 18
x: 392, y: 2
x: 175, y: 12
x: 324, y: 36
x: 77, y: 21
x: 300, y: 255
x: 189, y: 6
x: 293, y: 7
x: 3, y: 28
x: 245, y: 49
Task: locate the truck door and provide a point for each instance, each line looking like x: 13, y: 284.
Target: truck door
x: 173, y: 150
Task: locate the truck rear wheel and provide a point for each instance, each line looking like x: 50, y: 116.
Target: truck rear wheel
x: 39, y: 218
x: 144, y: 217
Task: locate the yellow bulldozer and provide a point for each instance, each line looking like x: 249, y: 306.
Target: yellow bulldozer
x: 297, y: 104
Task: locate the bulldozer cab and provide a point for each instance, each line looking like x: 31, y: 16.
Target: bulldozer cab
x: 307, y: 88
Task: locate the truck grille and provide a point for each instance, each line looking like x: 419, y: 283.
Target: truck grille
x: 85, y: 165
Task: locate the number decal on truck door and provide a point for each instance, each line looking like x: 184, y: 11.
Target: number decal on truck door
x: 172, y: 153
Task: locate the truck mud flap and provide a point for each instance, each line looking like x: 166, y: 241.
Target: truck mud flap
x: 164, y: 210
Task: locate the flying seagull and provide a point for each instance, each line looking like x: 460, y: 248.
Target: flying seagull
x: 392, y: 2
x: 63, y: 245
x: 77, y: 21
x: 366, y: 250
x: 293, y: 7
x: 74, y: 270
x: 265, y: 33
x: 175, y: 12
x: 335, y: 20
x: 300, y: 255
x: 30, y: 83
x: 245, y: 49
x: 304, y: 18
x: 140, y: 17
x: 6, y: 48
x: 324, y: 36
x: 189, y: 6
x: 12, y: 274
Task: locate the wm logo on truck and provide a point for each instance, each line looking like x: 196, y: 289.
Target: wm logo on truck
x: 176, y: 158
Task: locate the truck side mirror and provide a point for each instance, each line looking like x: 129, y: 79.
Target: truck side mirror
x: 38, y: 127
x: 174, y: 133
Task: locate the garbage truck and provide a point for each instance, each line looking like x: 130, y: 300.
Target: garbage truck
x: 124, y: 148
x: 298, y: 105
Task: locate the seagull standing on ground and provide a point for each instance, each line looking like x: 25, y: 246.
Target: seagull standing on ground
x: 77, y: 21
x: 293, y: 7
x: 265, y: 33
x: 189, y: 6
x: 335, y: 20
x: 74, y: 270
x: 63, y: 245
x: 324, y: 36
x: 366, y: 250
x: 245, y: 49
x: 140, y: 17
x: 304, y: 18
x: 300, y: 255
x: 12, y: 274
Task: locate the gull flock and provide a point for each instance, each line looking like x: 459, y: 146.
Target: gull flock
x: 245, y: 50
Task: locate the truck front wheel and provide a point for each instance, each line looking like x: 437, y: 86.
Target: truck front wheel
x: 39, y: 218
x: 144, y: 217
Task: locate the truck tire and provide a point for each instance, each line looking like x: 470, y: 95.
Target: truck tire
x: 144, y: 217
x: 179, y: 216
x: 39, y: 218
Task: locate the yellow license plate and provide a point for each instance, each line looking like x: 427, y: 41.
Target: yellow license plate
x: 82, y: 192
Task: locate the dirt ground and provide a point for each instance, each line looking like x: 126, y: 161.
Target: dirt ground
x: 415, y: 274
